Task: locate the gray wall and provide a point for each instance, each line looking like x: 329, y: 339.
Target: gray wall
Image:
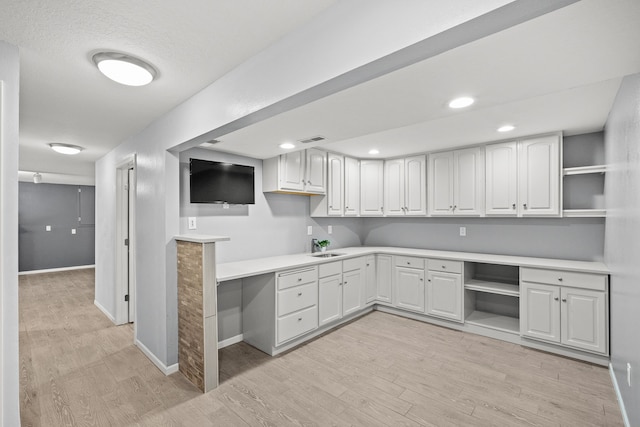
x: 622, y: 245
x: 9, y: 113
x: 59, y: 206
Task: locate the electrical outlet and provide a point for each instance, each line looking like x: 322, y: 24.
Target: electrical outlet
x: 225, y: 205
x: 463, y: 231
x: 330, y: 229
x: 47, y: 228
x: 629, y: 374
x: 192, y: 223
x: 73, y: 231
x: 309, y: 230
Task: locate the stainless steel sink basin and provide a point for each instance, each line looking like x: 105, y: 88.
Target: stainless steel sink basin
x: 326, y: 255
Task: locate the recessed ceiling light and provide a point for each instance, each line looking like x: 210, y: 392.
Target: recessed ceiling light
x: 66, y: 148
x: 506, y: 128
x: 463, y: 101
x: 124, y: 69
x: 374, y: 151
x: 287, y: 146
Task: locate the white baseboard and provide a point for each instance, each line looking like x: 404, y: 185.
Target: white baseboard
x: 167, y: 370
x: 104, y: 311
x: 230, y: 341
x: 56, y: 270
x: 614, y: 380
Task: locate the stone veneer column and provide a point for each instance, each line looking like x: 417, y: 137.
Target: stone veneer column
x: 197, y: 308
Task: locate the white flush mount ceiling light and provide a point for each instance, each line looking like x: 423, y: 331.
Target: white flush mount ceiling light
x: 462, y: 102
x: 506, y: 128
x: 124, y: 69
x: 287, y: 146
x: 374, y: 151
x: 65, y: 148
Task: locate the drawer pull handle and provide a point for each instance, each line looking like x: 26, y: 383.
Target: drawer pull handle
x: 299, y: 294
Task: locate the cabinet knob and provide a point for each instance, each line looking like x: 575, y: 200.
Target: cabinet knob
x: 451, y: 207
x: 524, y: 205
x: 345, y: 282
x: 299, y: 294
x: 428, y: 280
x: 444, y: 267
x: 555, y: 299
x: 513, y: 206
x: 559, y: 279
x: 564, y: 300
x: 455, y: 207
x: 346, y: 207
x: 299, y: 279
x: 408, y: 263
x: 299, y: 319
x: 330, y: 207
x: 368, y: 264
x: 421, y: 279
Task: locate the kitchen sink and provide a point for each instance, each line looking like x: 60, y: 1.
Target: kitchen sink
x: 326, y: 255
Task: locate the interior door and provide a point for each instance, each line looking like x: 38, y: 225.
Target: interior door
x: 131, y: 273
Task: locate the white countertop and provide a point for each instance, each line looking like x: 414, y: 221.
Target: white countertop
x: 201, y: 238
x: 253, y: 267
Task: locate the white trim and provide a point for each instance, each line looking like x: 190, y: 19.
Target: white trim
x: 104, y: 311
x: 55, y: 270
x: 230, y: 341
x: 167, y: 370
x: 614, y: 380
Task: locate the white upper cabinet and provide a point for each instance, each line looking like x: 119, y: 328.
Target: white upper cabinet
x: 523, y: 178
x: 351, y: 187
x: 297, y: 172
x: 371, y: 187
x: 539, y: 176
x: 501, y: 179
x: 405, y: 183
x: 335, y: 185
x: 456, y: 182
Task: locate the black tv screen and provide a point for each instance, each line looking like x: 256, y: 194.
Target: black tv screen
x: 217, y: 182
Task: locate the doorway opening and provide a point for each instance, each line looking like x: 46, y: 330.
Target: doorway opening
x: 125, y: 242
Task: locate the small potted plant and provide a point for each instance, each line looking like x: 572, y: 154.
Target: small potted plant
x: 323, y: 245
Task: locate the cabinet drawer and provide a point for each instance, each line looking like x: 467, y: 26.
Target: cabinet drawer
x: 444, y: 265
x: 409, y: 261
x: 597, y: 282
x: 353, y: 264
x: 296, y: 324
x: 288, y: 279
x: 297, y: 298
x: 330, y: 269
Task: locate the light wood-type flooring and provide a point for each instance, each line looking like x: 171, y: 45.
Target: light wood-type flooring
x: 77, y: 368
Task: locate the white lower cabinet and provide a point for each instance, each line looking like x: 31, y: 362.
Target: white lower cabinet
x: 444, y: 297
x: 409, y: 283
x: 565, y: 314
x: 384, y: 278
x: 340, y: 289
x: 370, y: 282
x: 296, y: 303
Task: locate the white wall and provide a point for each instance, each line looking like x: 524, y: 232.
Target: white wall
x: 622, y: 244
x: 9, y: 365
x: 330, y: 53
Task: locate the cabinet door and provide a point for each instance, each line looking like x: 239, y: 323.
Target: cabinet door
x: 501, y: 179
x: 394, y: 187
x: 409, y: 288
x: 292, y: 171
x: 316, y: 171
x: 584, y: 321
x: 371, y: 187
x: 370, y: 280
x: 539, y: 176
x: 384, y: 276
x: 440, y: 185
x: 415, y: 186
x: 335, y: 184
x: 540, y: 311
x: 352, y: 282
x: 351, y: 187
x: 444, y: 295
x: 468, y: 182
x: 329, y: 299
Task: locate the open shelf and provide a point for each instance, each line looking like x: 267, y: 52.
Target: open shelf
x: 584, y: 213
x: 494, y: 321
x: 492, y: 287
x: 582, y: 170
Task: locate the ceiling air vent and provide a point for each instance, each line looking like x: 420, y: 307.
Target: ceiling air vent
x: 209, y: 143
x: 312, y: 139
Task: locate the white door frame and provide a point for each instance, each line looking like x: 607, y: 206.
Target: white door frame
x: 125, y: 228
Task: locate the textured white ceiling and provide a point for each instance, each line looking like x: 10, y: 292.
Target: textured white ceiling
x: 65, y: 99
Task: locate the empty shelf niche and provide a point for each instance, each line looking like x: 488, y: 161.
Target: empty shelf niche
x: 492, y: 296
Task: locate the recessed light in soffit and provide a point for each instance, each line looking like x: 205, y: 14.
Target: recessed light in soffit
x: 124, y: 69
x: 461, y: 102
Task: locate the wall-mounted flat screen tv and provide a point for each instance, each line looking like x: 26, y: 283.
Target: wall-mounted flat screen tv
x: 218, y: 182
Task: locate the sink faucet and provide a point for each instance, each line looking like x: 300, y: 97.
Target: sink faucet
x: 315, y: 247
